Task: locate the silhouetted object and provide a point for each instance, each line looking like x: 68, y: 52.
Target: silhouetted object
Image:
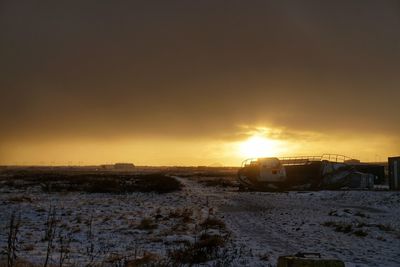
x: 124, y: 166
x: 308, y: 173
x: 377, y: 170
x: 394, y: 173
x: 118, y: 166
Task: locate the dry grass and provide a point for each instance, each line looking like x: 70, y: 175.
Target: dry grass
x: 339, y: 226
x: 147, y: 224
x: 205, y: 249
x: 184, y: 214
x: 148, y: 259
x: 218, y: 182
x: 21, y: 263
x: 19, y: 199
x: 91, y: 182
x: 213, y: 223
x: 347, y: 228
x: 360, y: 233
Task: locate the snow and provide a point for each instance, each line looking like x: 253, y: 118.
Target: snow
x: 263, y: 225
x: 286, y: 223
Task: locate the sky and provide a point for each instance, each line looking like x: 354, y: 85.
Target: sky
x: 197, y: 82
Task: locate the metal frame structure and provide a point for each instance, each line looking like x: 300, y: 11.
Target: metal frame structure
x: 296, y: 160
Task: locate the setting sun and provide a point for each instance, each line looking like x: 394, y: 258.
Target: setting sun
x: 258, y: 146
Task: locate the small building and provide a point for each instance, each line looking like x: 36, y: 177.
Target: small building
x: 124, y: 166
x: 394, y: 173
x: 107, y: 166
x: 377, y: 170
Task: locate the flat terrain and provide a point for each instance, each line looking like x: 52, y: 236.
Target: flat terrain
x: 211, y: 220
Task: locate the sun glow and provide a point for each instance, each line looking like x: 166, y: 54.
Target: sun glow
x: 258, y: 146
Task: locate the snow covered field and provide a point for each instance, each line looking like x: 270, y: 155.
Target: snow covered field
x: 361, y: 228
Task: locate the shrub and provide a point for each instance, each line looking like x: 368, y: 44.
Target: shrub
x: 20, y: 199
x: 213, y: 223
x: 185, y: 214
x: 221, y: 182
x: 339, y: 226
x: 94, y: 182
x: 347, y: 228
x: 147, y: 224
x: 328, y: 224
x: 104, y: 186
x: 205, y: 249
x: 158, y: 182
x: 360, y: 214
x: 210, y: 242
x: 360, y: 233
x: 344, y: 228
x: 385, y: 227
x: 148, y: 259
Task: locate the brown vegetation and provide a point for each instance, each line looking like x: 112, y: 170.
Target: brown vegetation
x: 91, y: 182
x: 147, y: 224
x: 205, y: 249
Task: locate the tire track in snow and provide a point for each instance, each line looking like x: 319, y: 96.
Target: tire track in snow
x: 247, y: 218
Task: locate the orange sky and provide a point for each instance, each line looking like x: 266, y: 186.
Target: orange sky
x: 190, y: 82
x: 194, y: 152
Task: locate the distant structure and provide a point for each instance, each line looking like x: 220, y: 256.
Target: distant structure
x: 118, y: 166
x: 329, y: 171
x: 378, y: 170
x: 394, y: 173
x: 124, y: 166
x: 107, y: 166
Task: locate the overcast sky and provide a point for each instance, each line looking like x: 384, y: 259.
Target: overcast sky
x: 171, y: 74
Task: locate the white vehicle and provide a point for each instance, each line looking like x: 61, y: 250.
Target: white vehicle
x: 262, y: 170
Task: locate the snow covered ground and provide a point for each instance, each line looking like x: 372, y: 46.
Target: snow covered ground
x: 274, y: 224
x: 361, y: 228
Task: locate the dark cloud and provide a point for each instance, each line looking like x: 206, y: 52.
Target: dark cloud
x: 187, y: 69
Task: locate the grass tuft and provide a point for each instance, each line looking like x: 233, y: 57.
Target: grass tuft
x: 147, y: 224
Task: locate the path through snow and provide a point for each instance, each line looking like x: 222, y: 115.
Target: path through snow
x: 274, y: 224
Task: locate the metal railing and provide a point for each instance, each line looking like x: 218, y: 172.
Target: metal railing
x: 298, y: 160
x: 335, y: 157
